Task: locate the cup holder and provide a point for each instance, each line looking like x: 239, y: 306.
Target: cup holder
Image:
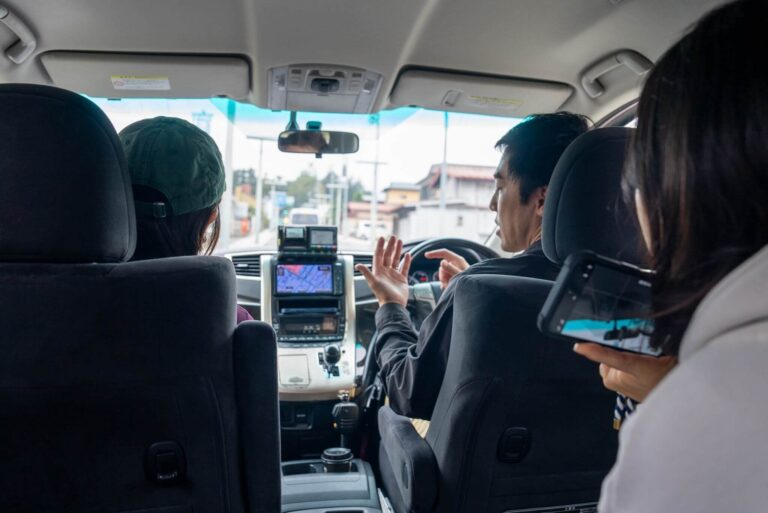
x: 309, y: 467
x: 308, y: 487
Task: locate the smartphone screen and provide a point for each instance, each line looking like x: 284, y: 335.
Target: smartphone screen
x: 605, y: 304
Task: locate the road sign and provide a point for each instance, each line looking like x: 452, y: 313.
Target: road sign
x: 280, y: 199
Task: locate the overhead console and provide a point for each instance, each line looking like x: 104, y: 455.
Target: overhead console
x: 307, y: 295
x: 322, y: 88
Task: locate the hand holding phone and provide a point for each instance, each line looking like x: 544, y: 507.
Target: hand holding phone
x: 632, y: 375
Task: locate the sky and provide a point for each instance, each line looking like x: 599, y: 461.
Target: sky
x: 411, y: 140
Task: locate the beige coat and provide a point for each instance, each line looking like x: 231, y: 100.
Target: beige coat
x: 700, y: 441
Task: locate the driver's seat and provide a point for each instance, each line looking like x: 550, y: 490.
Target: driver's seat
x: 521, y: 421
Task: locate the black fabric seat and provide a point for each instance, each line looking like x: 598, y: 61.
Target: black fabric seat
x: 103, y: 359
x: 521, y: 421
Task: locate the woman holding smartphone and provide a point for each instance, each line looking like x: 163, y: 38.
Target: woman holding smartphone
x: 698, y: 173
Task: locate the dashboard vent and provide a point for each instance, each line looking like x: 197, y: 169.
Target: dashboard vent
x: 362, y: 259
x: 247, y: 265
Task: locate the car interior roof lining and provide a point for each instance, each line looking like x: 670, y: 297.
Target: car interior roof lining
x: 544, y: 40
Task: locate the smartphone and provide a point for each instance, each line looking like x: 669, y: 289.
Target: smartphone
x: 597, y: 299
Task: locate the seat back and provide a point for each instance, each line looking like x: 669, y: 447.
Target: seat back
x: 521, y: 421
x: 124, y: 386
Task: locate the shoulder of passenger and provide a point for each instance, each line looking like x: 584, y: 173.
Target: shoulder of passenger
x: 738, y: 300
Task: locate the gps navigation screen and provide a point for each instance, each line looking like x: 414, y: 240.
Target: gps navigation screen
x: 304, y: 279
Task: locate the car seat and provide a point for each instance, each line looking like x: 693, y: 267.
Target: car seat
x: 521, y: 422
x: 124, y: 386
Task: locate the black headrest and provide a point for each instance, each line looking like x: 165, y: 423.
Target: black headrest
x: 65, y: 192
x: 584, y: 209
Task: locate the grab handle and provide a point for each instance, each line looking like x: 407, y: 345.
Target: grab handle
x: 627, y: 58
x: 19, y: 51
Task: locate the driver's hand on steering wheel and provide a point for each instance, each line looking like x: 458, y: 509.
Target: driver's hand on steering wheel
x: 450, y: 265
x: 388, y: 277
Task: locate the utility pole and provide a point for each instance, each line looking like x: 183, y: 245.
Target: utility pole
x: 273, y: 219
x: 338, y: 202
x: 444, y: 172
x: 375, y: 119
x: 275, y: 209
x: 374, y: 200
x: 260, y: 182
x: 226, y: 202
x: 339, y: 187
x: 345, y: 196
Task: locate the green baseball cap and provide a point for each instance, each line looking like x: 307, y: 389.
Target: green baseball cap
x: 178, y: 159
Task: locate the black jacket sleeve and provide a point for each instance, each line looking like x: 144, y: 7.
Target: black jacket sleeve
x: 412, y: 365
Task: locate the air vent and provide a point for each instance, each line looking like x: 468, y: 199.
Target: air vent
x: 362, y: 259
x: 247, y: 265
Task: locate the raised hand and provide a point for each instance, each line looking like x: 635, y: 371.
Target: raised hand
x: 630, y: 374
x: 450, y: 265
x: 388, y: 276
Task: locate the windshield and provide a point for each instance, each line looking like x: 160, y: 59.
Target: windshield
x: 402, y: 156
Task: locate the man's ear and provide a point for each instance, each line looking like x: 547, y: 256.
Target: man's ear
x: 539, y: 195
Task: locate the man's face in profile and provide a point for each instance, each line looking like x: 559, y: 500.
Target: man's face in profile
x: 518, y: 222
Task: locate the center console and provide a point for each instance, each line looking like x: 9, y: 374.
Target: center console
x: 308, y: 487
x: 308, y: 296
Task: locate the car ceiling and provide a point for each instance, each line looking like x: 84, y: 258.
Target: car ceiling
x: 546, y: 40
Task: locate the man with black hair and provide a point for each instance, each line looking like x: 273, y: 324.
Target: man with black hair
x: 413, y: 364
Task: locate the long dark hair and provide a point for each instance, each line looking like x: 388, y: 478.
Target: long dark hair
x: 180, y: 235
x: 699, y: 158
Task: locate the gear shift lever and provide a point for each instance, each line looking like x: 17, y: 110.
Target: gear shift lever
x: 331, y: 356
x: 345, y: 415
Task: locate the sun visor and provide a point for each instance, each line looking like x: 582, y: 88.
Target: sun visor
x: 112, y: 75
x: 478, y: 94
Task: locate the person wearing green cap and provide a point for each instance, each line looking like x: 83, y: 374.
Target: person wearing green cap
x: 178, y: 181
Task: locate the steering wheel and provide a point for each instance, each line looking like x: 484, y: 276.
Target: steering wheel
x: 424, y: 296
x: 472, y: 251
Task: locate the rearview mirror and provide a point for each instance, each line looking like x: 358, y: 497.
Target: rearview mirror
x: 318, y: 142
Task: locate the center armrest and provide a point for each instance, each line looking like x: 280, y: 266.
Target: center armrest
x: 306, y: 487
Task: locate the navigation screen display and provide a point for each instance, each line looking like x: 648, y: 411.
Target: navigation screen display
x: 304, y: 279
x: 612, y: 309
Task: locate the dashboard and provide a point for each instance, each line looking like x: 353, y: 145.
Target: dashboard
x: 314, y: 301
x: 424, y: 272
x: 310, y: 302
